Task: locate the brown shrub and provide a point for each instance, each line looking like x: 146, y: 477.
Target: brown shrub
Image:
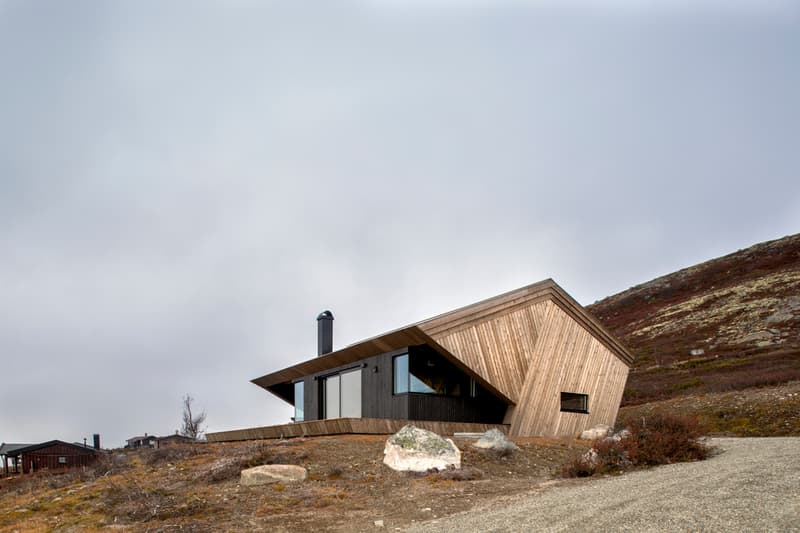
x: 659, y: 439
x: 663, y: 439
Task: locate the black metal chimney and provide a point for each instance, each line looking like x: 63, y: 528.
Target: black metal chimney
x: 96, y: 438
x: 324, y: 333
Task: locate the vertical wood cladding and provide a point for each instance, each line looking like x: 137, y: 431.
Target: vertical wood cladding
x: 499, y: 347
x: 567, y: 358
x: 378, y: 399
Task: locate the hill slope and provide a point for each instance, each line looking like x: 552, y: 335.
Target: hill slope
x: 726, y: 324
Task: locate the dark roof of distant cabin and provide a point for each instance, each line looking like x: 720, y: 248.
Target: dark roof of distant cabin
x: 8, y: 447
x: 176, y: 437
x: 141, y: 437
x: 34, y: 447
x: 418, y: 333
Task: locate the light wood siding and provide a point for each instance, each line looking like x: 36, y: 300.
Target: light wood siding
x: 567, y: 358
x: 498, y: 348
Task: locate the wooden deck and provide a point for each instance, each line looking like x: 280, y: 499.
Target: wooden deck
x: 338, y: 426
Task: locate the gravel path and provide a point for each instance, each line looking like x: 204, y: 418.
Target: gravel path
x: 753, y: 485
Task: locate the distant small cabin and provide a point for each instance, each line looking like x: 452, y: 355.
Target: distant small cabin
x: 141, y: 441
x: 152, y: 441
x: 51, y: 455
x: 173, y: 440
x: 531, y: 361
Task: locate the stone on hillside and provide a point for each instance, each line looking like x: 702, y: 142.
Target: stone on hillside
x: 597, y: 432
x: 416, y: 450
x: 590, y: 457
x: 262, y: 475
x: 494, y: 439
x: 624, y: 434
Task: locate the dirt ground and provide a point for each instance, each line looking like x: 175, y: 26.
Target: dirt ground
x: 195, y: 488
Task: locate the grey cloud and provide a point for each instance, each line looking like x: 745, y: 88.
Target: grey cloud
x: 183, y: 187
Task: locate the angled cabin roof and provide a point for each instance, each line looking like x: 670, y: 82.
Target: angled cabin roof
x: 489, y: 340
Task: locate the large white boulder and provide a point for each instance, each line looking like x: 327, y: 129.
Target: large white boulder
x: 262, y: 475
x: 417, y: 450
x: 600, y: 431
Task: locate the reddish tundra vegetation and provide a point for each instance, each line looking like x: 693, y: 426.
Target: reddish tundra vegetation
x: 727, y: 324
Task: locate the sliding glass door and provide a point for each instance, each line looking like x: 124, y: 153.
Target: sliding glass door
x: 342, y: 395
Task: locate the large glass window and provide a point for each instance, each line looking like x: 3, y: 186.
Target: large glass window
x: 401, y: 374
x: 427, y: 374
x: 299, y: 398
x: 342, y: 395
x: 351, y: 394
x: 332, y: 402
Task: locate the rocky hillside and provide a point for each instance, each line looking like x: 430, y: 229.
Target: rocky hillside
x: 726, y: 324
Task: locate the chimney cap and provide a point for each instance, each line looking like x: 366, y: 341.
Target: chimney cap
x: 325, y: 315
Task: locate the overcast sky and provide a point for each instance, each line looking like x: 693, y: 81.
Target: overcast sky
x: 185, y: 185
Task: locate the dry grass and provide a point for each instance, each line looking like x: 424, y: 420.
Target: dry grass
x: 196, y: 488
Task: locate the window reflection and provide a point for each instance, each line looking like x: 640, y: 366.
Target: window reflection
x: 427, y: 374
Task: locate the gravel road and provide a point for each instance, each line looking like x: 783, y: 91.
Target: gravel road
x: 752, y: 485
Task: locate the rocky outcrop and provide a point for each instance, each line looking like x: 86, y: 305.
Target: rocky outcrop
x: 417, y: 450
x: 265, y: 474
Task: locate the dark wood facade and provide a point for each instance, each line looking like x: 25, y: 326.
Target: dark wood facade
x: 54, y: 455
x: 378, y: 399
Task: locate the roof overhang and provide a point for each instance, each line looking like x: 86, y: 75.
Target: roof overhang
x: 279, y: 383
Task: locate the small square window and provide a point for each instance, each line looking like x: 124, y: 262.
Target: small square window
x: 572, y: 402
x: 62, y: 460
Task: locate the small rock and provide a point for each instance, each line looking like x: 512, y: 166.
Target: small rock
x: 590, y: 457
x: 494, y: 439
x: 378, y: 523
x: 262, y: 475
x: 624, y: 434
x: 597, y: 432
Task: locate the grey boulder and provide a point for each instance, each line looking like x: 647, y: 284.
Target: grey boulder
x: 494, y: 439
x: 262, y: 475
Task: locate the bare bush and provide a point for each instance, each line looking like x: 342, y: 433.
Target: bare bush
x: 660, y: 439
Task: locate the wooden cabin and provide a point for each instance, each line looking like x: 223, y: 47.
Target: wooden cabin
x: 531, y: 361
x: 53, y: 455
